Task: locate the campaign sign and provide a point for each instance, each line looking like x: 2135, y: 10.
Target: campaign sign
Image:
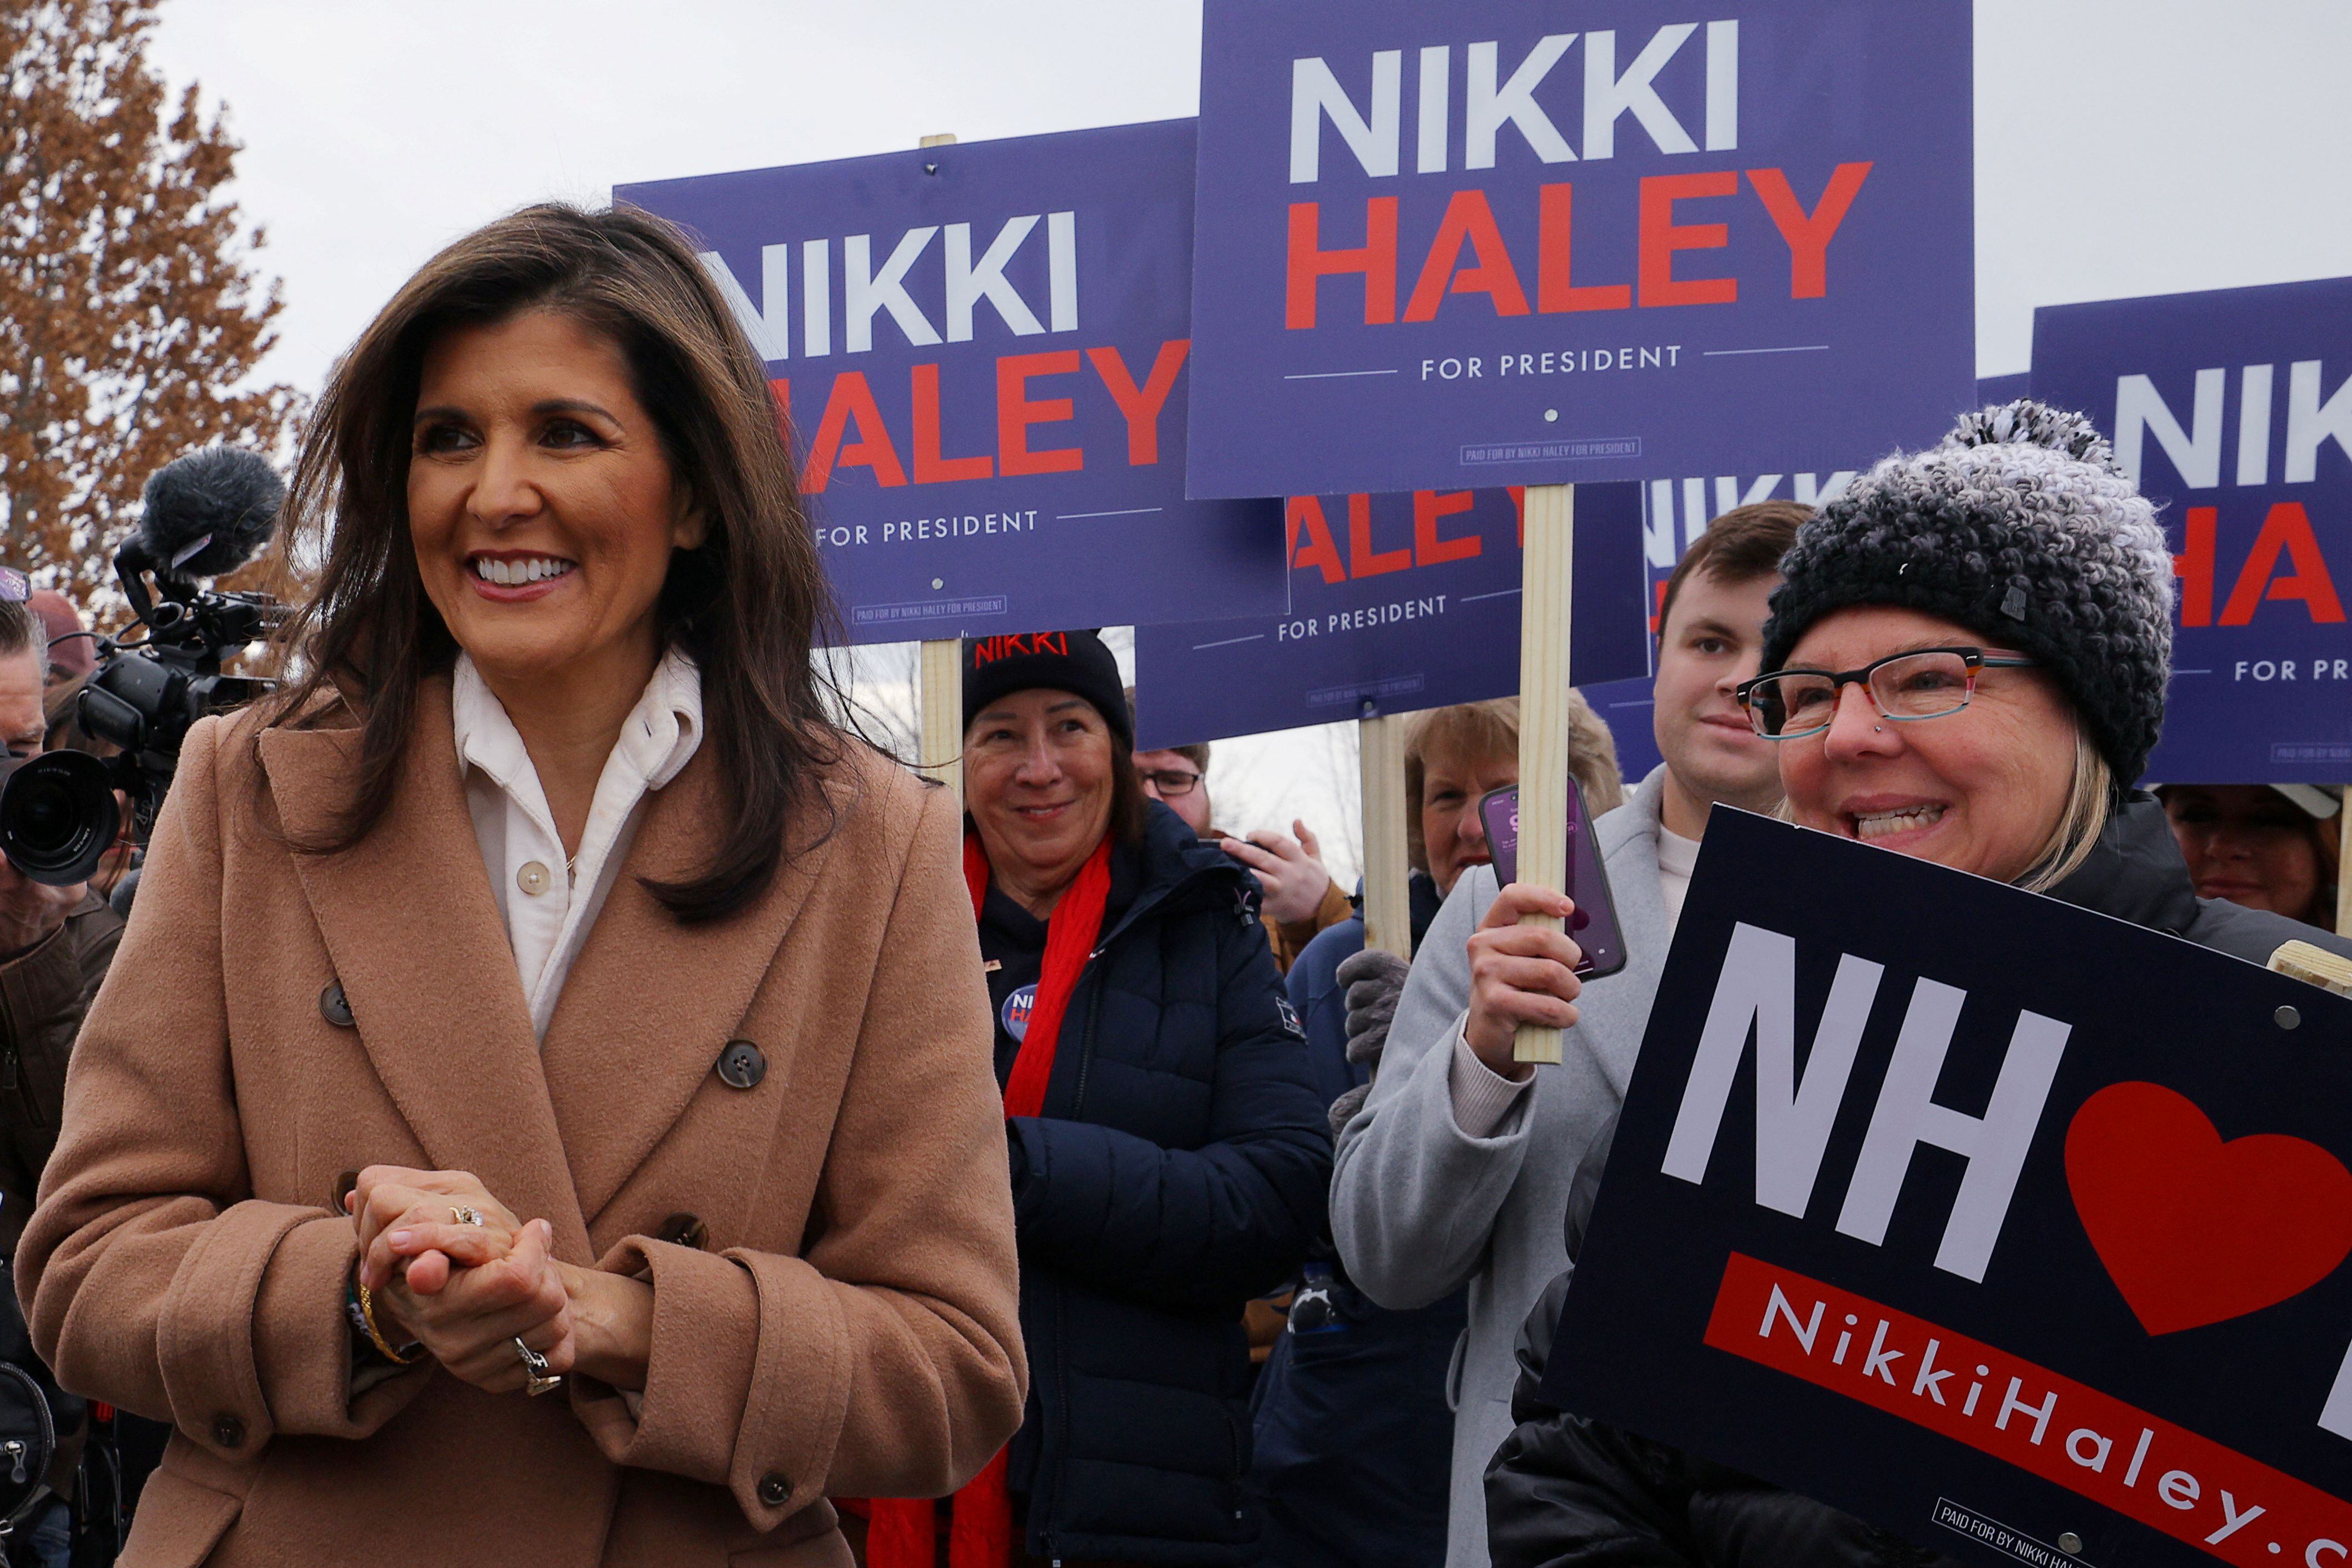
x: 1398, y: 601
x: 983, y: 350
x: 2232, y: 409
x: 1535, y: 241
x: 2013, y: 1228
x: 1675, y: 512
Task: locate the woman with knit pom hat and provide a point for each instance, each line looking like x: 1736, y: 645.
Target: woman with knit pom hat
x: 1966, y: 663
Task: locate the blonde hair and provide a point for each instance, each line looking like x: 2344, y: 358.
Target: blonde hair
x: 1475, y: 731
x: 2090, y: 801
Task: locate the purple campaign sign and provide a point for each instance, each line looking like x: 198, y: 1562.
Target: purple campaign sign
x: 1533, y: 241
x: 1399, y: 602
x: 983, y: 351
x: 2234, y: 410
x: 1675, y: 512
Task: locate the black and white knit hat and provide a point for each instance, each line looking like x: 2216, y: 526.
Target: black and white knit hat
x: 2020, y: 526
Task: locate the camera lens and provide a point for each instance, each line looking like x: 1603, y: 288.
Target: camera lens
x: 58, y: 816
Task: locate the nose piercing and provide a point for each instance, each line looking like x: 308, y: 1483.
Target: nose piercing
x: 1878, y: 728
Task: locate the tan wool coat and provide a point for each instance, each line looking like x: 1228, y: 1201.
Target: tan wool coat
x: 844, y: 1320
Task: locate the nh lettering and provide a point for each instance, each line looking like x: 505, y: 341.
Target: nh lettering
x: 1756, y: 997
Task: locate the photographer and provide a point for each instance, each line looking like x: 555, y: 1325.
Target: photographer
x: 55, y: 946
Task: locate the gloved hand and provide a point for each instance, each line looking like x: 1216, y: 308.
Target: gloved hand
x: 1374, y: 980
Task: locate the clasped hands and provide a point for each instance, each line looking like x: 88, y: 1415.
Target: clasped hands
x: 466, y: 1292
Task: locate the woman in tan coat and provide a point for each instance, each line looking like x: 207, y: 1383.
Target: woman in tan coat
x: 541, y: 997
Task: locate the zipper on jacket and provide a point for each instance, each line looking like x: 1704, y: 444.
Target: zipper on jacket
x: 1094, y: 1000
x: 1086, y: 1040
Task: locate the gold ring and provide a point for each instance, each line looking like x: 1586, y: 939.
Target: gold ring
x: 538, y: 1379
x: 465, y: 1213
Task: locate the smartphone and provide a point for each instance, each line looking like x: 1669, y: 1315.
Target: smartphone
x: 1594, y: 925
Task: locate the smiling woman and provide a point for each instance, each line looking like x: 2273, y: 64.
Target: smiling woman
x: 1169, y: 1150
x: 1966, y: 662
x: 541, y: 994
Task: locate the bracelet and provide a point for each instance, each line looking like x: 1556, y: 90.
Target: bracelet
x: 362, y: 1308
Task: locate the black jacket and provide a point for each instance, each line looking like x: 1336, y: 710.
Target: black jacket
x: 1180, y: 1169
x: 1566, y: 1492
x: 44, y: 992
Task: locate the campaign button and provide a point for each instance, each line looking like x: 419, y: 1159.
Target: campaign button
x: 1016, y: 1011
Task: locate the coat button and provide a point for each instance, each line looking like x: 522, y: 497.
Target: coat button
x: 741, y: 1065
x: 684, y: 1230
x: 774, y: 1489
x: 344, y: 1183
x: 334, y: 1007
x: 532, y: 877
x: 228, y: 1432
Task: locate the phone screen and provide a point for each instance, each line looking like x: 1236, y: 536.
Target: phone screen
x: 1594, y: 925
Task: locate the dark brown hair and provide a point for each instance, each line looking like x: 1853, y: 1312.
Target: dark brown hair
x: 1743, y: 544
x: 746, y: 606
x: 1130, y: 808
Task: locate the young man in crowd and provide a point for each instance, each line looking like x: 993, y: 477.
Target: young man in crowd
x: 1299, y: 897
x: 1457, y: 1167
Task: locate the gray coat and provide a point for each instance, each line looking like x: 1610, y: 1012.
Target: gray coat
x: 1417, y: 1207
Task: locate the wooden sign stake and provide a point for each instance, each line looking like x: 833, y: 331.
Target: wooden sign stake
x: 1388, y: 917
x: 941, y: 742
x: 1550, y: 533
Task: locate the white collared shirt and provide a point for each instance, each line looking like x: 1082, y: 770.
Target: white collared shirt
x: 547, y: 906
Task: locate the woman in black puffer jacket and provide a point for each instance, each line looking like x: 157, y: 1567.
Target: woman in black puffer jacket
x: 1966, y: 662
x: 1169, y: 1155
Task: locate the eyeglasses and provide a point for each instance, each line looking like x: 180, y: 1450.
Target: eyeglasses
x: 15, y: 586
x: 1170, y: 782
x: 1930, y: 683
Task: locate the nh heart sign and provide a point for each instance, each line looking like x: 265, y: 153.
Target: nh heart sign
x: 1997, y: 1222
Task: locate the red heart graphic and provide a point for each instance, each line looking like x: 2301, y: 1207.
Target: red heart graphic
x: 2194, y: 1230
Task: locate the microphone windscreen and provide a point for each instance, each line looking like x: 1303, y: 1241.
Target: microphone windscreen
x: 211, y: 512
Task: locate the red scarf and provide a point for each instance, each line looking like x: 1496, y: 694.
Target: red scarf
x: 903, y: 1533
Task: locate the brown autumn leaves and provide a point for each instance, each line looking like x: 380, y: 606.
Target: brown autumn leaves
x: 131, y: 316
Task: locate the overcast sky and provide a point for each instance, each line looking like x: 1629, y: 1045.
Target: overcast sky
x: 2123, y: 146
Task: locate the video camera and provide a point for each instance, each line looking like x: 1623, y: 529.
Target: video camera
x: 205, y: 514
